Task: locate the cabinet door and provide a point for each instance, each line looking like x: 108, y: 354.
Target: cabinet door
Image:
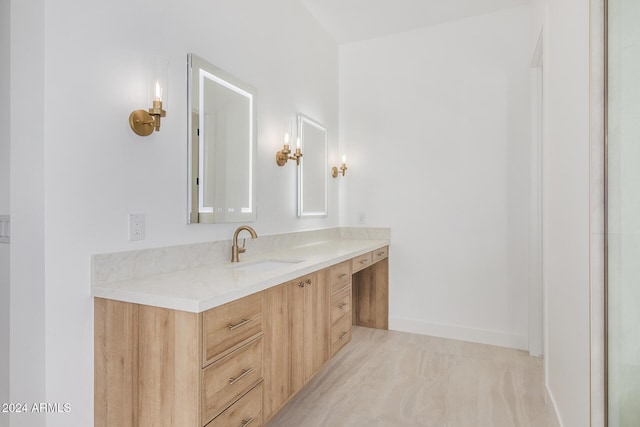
x: 317, y: 322
x: 277, y: 357
x: 309, y: 326
x: 296, y: 293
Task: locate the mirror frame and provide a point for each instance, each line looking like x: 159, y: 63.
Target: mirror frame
x: 304, y: 121
x: 196, y: 63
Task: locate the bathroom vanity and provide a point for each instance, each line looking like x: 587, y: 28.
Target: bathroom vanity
x: 229, y: 345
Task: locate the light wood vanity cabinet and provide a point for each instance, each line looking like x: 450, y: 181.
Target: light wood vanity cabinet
x: 341, y: 305
x: 309, y: 326
x: 296, y: 336
x: 236, y: 364
x: 246, y: 411
x: 232, y: 354
x: 148, y: 364
x: 380, y: 254
x: 230, y: 326
x: 371, y: 292
x: 360, y: 262
x: 340, y: 276
x: 225, y: 381
x: 161, y: 367
x: 277, y: 353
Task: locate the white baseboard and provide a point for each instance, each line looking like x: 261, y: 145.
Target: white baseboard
x: 456, y: 332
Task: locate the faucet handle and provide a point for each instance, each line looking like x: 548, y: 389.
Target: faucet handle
x: 243, y: 249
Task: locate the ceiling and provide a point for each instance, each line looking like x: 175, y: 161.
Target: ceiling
x: 350, y: 21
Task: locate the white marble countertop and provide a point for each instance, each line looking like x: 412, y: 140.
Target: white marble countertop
x: 201, y: 288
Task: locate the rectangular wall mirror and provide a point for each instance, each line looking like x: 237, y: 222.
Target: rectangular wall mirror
x: 313, y: 172
x: 221, y: 144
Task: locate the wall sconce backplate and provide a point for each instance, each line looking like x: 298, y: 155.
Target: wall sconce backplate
x: 141, y: 122
x: 281, y: 158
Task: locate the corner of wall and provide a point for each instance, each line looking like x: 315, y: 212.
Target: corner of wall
x: 555, y: 417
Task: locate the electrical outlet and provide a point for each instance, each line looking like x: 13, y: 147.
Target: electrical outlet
x: 136, y: 226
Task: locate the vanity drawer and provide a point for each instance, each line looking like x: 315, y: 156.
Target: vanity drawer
x: 379, y: 254
x: 340, y: 334
x: 340, y: 276
x: 226, y: 380
x: 340, y: 304
x: 229, y: 326
x: 360, y: 262
x: 246, y: 411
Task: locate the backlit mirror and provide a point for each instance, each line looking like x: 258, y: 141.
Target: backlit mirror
x: 314, y: 169
x: 222, y: 145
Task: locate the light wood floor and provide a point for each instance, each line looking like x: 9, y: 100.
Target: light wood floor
x: 397, y: 379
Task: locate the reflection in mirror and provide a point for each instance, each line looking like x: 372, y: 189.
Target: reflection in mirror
x: 222, y: 145
x: 313, y: 170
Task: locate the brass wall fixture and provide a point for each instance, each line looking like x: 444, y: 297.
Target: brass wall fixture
x: 144, y: 122
x: 283, y: 156
x: 342, y: 169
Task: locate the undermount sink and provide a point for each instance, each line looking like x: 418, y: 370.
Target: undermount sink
x: 267, y: 265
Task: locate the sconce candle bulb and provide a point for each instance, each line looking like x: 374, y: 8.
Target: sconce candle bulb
x: 158, y: 91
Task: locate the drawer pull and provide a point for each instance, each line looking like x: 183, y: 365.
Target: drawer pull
x: 380, y: 253
x: 238, y: 325
x: 341, y: 337
x: 364, y: 261
x: 246, y: 422
x: 341, y: 276
x: 244, y: 373
x: 343, y: 305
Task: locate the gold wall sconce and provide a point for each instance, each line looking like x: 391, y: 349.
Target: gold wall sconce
x: 283, y: 156
x: 144, y: 122
x: 342, y: 169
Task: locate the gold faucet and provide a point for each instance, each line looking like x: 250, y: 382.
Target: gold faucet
x: 235, y: 250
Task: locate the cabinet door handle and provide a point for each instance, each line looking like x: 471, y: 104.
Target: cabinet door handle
x: 308, y: 281
x: 246, y: 422
x: 341, y: 337
x: 238, y: 325
x: 301, y: 284
x: 244, y: 373
x: 343, y: 305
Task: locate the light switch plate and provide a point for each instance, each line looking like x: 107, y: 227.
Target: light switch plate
x: 361, y: 218
x: 5, y: 229
x: 136, y: 226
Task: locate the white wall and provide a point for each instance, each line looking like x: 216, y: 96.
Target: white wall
x: 566, y: 205
x: 436, y: 125
x: 4, y: 205
x: 27, y: 148
x: 96, y: 170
